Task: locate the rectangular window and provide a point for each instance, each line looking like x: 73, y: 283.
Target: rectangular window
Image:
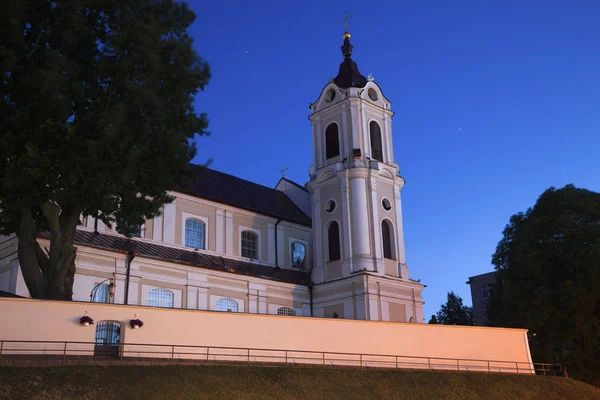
x: 249, y: 245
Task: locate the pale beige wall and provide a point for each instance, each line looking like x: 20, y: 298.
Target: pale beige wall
x: 391, y: 267
x: 24, y: 319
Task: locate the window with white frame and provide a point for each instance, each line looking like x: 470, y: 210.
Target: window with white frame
x: 286, y: 311
x: 159, y: 297
x: 298, y: 255
x: 101, y: 294
x: 249, y: 244
x: 194, y: 233
x: 227, y: 304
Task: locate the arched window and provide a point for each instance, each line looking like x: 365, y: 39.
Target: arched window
x: 226, y: 304
x: 333, y: 235
x: 160, y: 298
x: 386, y: 236
x: 376, y: 147
x: 194, y: 233
x: 298, y: 255
x: 332, y: 141
x: 286, y: 311
x: 249, y: 244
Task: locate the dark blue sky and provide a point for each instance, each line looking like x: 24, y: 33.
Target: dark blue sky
x: 495, y: 102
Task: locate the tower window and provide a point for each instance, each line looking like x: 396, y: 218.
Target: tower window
x: 332, y: 141
x: 333, y: 236
x: 249, y: 244
x: 376, y: 148
x: 385, y: 203
x: 372, y: 94
x: 330, y: 206
x: 386, y: 235
x: 330, y: 96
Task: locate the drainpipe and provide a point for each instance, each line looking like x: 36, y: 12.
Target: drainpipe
x: 128, y: 258
x: 276, y: 246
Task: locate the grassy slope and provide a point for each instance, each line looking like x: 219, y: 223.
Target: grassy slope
x: 238, y: 382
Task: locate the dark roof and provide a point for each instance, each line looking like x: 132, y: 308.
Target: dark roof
x: 227, y: 189
x: 8, y: 294
x: 187, y: 257
x: 348, y: 75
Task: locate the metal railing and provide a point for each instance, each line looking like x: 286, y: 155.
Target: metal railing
x: 218, y: 354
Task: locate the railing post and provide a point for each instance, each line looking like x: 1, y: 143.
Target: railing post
x: 1, y: 346
x: 489, y: 369
x: 396, y: 362
x: 172, y: 352
x: 458, y: 365
x: 544, y: 367
x: 323, y: 358
x: 65, y: 351
x: 248, y: 356
x: 429, y: 362
x: 207, y: 350
x: 517, y: 364
x: 286, y: 357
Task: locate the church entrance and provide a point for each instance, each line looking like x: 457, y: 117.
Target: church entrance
x: 108, y: 338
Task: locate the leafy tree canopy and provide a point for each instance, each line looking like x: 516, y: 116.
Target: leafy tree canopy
x: 433, y: 320
x: 96, y: 118
x: 548, y: 269
x: 454, y: 312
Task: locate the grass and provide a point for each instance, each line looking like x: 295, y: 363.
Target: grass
x: 240, y: 382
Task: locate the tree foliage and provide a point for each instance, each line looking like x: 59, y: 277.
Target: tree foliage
x: 96, y: 118
x: 548, y: 269
x: 454, y: 312
x: 433, y: 320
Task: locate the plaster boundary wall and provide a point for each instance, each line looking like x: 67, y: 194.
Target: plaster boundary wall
x: 302, y: 339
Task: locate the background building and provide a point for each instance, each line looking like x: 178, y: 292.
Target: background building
x: 480, y: 291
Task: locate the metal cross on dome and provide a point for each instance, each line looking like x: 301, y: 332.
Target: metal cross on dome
x: 347, y: 16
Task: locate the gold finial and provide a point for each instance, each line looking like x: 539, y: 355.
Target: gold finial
x: 347, y: 16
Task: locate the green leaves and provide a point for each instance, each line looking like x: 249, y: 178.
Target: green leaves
x: 453, y: 312
x: 96, y: 107
x: 548, y: 268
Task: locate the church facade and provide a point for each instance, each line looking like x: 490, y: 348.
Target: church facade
x: 332, y: 248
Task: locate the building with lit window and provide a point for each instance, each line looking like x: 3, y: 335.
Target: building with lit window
x: 333, y: 247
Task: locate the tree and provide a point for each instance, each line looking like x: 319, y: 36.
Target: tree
x: 96, y: 118
x: 433, y: 320
x: 453, y: 312
x: 548, y: 270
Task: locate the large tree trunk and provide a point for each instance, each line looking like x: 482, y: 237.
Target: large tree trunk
x: 49, y: 276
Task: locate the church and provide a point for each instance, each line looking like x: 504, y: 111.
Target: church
x: 332, y: 248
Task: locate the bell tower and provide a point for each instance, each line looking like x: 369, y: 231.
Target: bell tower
x: 360, y: 266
